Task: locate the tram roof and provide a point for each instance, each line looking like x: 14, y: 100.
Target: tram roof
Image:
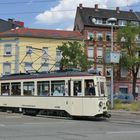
x: 44, y: 75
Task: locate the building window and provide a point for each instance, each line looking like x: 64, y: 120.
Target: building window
x: 99, y: 36
x: 108, y: 71
x: 124, y: 72
x: 122, y: 22
x: 90, y: 52
x: 7, y: 49
x: 134, y: 23
x: 99, y: 21
x: 44, y: 67
x: 138, y: 74
x: 100, y: 69
x: 29, y: 50
x: 137, y: 38
x: 45, y: 54
x: 108, y: 36
x: 99, y: 52
x: 123, y: 89
x: 90, y: 36
x: 57, y: 66
x: 6, y: 68
x: 28, y: 66
x: 58, y: 55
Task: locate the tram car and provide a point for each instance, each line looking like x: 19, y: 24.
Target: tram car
x: 74, y: 94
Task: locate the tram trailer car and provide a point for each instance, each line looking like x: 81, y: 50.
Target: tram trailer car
x: 75, y: 94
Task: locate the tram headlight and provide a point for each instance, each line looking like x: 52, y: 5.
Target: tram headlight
x: 100, y: 104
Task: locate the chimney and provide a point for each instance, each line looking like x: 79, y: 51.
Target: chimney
x: 80, y: 6
x: 11, y: 20
x: 96, y: 7
x: 118, y: 9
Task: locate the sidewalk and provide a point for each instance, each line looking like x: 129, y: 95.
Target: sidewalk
x: 124, y: 112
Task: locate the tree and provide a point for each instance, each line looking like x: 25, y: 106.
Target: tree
x: 73, y: 56
x: 129, y: 38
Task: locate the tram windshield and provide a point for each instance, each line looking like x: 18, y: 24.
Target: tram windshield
x: 90, y: 87
x: 96, y: 87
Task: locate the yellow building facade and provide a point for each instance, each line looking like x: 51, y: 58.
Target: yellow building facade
x: 24, y: 50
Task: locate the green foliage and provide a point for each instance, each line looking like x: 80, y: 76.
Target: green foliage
x: 134, y: 106
x: 73, y: 56
x: 131, y: 51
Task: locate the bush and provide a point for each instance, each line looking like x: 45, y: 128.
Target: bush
x: 133, y: 106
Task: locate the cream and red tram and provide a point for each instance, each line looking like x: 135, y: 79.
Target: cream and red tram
x: 63, y: 93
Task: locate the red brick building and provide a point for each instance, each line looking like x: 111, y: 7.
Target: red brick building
x: 93, y: 24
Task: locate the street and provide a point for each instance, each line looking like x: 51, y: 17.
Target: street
x: 19, y: 127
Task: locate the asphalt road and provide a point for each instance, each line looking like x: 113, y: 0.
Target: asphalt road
x: 19, y: 127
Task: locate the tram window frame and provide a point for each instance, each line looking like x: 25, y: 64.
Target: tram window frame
x: 58, y: 88
x: 90, y: 87
x: 16, y: 89
x: 7, y: 89
x: 28, y: 92
x: 43, y: 88
x: 77, y: 87
x: 102, y: 86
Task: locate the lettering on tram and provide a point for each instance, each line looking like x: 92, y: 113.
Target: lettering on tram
x: 66, y: 93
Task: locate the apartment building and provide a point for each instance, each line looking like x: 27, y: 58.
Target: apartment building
x: 94, y: 24
x: 27, y: 49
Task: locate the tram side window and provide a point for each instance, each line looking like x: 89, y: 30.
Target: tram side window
x: 28, y: 88
x: 77, y: 88
x: 5, y: 89
x: 43, y: 88
x: 16, y: 89
x: 58, y: 88
x: 89, y: 87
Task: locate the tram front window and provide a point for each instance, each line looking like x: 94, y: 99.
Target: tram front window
x: 101, y: 88
x: 28, y: 88
x: 5, y: 89
x: 89, y: 87
x: 102, y: 85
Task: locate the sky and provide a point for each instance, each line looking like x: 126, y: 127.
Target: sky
x: 55, y: 14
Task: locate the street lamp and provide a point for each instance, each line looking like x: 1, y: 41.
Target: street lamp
x: 112, y: 20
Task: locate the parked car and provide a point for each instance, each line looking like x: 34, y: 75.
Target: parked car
x: 124, y: 98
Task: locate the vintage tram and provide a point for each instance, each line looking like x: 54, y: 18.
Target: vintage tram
x: 75, y: 94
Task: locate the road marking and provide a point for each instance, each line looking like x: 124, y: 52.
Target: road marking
x: 123, y: 132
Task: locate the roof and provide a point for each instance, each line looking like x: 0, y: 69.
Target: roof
x: 7, y: 25
x: 138, y: 14
x: 44, y: 75
x: 86, y: 13
x: 43, y: 33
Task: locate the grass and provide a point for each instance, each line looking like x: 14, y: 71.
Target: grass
x: 133, y: 106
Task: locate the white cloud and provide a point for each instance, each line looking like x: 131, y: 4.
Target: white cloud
x: 59, y: 15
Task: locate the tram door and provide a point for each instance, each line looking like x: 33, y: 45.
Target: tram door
x: 77, y: 100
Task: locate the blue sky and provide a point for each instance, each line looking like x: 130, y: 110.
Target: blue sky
x: 55, y: 14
